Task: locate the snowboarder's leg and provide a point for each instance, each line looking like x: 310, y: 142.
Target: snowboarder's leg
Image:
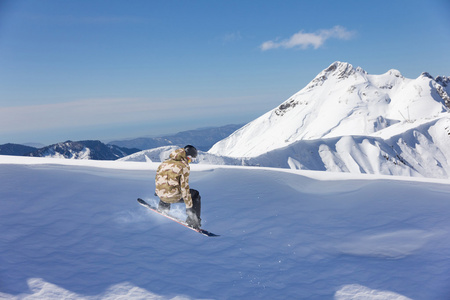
x: 163, y: 207
x: 196, y: 202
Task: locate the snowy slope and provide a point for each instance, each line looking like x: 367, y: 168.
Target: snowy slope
x: 72, y: 229
x: 341, y: 101
x: 152, y: 155
x: 422, y: 151
x: 162, y: 153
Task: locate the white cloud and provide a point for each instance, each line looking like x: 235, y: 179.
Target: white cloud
x: 232, y: 37
x: 304, y: 40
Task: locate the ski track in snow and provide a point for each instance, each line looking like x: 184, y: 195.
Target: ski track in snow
x: 74, y: 230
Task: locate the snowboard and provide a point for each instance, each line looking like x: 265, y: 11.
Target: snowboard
x: 152, y: 208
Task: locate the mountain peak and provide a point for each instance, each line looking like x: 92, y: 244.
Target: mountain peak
x: 427, y: 75
x: 340, y: 67
x: 339, y: 70
x: 342, y: 70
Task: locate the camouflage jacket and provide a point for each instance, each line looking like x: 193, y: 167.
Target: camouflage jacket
x: 172, y: 179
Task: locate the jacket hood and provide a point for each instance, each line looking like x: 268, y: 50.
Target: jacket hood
x: 178, y: 154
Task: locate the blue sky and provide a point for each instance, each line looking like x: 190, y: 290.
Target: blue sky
x: 107, y: 69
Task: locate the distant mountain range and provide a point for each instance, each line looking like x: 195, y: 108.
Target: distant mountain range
x: 83, y: 150
x: 203, y: 139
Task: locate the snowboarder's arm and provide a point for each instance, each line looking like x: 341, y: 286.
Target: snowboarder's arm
x: 184, y: 186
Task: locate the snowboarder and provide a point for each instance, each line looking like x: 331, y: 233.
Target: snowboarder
x: 172, y: 184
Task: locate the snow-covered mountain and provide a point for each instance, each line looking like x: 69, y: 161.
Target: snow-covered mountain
x: 341, y: 101
x: 83, y: 150
x: 349, y: 121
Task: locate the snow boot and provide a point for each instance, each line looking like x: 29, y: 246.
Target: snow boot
x: 163, y: 207
x: 193, y: 220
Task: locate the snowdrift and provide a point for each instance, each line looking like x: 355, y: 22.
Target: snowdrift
x: 74, y: 230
